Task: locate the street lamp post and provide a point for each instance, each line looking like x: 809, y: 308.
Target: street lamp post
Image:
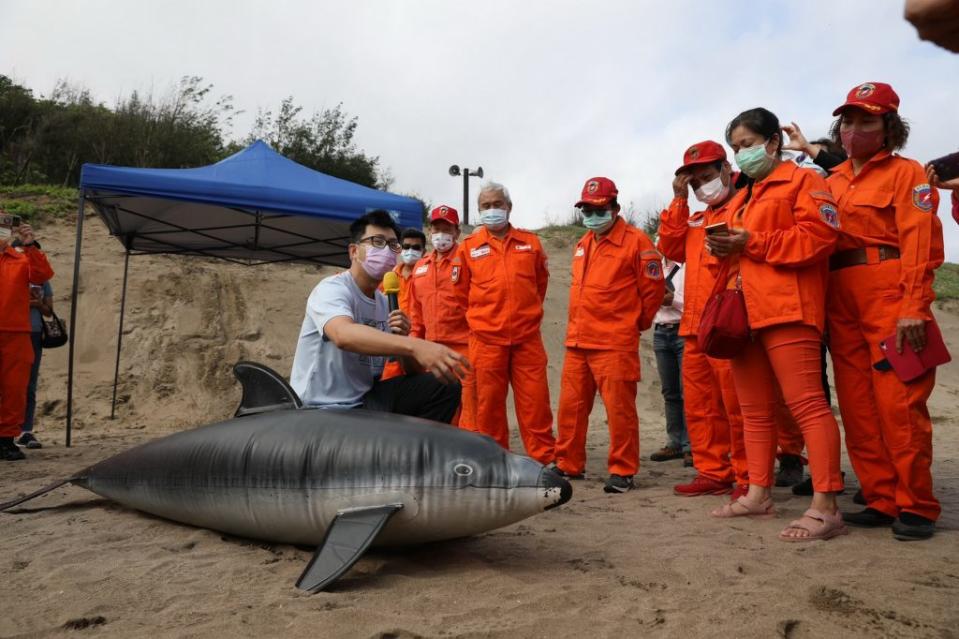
x: 467, y: 174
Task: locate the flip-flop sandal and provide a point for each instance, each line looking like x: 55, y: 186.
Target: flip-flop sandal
x: 763, y: 511
x: 827, y: 526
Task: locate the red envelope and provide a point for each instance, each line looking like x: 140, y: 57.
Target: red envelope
x: 909, y: 364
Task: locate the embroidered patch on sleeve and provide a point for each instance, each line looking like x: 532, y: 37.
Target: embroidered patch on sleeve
x: 829, y: 215
x: 922, y: 197
x: 654, y: 271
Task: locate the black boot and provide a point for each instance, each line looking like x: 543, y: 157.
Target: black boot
x: 790, y: 470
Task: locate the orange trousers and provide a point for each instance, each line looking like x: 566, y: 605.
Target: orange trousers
x: 16, y: 359
x: 523, y: 366
x: 887, y: 424
x: 465, y: 416
x: 789, y: 354
x: 614, y: 374
x: 713, y: 418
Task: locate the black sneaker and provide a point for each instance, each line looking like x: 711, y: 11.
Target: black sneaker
x: 868, y: 518
x: 10, y: 451
x: 562, y: 473
x: 858, y: 498
x: 912, y: 527
x: 27, y: 440
x: 804, y: 489
x: 790, y: 470
x: 619, y: 484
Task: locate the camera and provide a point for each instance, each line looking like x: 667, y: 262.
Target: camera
x: 10, y: 221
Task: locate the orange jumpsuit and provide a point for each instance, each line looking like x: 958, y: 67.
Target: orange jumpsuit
x: 502, y: 284
x: 793, y: 224
x: 19, y: 267
x: 616, y: 290
x: 393, y: 367
x: 888, y: 430
x: 713, y: 418
x: 436, y: 315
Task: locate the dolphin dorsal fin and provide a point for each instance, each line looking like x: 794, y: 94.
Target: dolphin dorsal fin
x: 264, y: 390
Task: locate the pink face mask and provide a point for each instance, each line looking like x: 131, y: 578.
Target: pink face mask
x: 860, y: 144
x: 379, y: 261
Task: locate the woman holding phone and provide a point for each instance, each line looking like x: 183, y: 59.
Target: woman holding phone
x: 881, y: 285
x: 782, y: 229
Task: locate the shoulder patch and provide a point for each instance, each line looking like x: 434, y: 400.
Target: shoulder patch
x: 455, y: 274
x: 654, y: 270
x: 829, y: 214
x: 922, y: 197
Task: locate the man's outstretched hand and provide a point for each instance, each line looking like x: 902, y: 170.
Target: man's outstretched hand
x: 443, y: 363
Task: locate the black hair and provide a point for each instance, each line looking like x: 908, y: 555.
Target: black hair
x: 760, y: 121
x: 414, y: 233
x: 831, y: 146
x: 379, y: 218
x: 897, y: 131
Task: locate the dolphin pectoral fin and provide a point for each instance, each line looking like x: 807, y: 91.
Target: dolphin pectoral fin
x: 264, y: 390
x: 347, y: 538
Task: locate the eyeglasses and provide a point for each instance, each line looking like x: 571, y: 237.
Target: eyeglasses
x: 590, y: 212
x: 378, y: 241
x: 412, y: 247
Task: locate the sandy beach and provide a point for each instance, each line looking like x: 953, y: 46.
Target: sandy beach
x: 646, y: 563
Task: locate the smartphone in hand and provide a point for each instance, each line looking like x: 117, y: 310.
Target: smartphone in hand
x: 719, y: 228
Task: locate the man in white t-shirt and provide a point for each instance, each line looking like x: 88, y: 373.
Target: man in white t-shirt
x: 668, y: 346
x: 348, y: 332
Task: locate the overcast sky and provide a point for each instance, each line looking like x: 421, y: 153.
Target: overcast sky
x: 542, y: 95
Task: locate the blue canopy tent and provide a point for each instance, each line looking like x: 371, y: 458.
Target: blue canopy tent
x: 254, y: 207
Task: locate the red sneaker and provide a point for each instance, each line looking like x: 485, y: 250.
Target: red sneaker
x: 703, y: 486
x: 739, y: 491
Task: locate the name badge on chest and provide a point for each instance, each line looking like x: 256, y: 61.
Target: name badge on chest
x: 480, y: 251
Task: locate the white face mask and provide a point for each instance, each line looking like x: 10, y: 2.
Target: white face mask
x: 494, y: 219
x: 712, y: 192
x: 442, y: 242
x: 409, y: 256
x: 5, y: 232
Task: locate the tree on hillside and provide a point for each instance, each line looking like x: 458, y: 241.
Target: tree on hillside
x: 323, y: 142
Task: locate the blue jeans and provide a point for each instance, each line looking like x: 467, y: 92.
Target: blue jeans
x: 668, y: 346
x: 32, y: 386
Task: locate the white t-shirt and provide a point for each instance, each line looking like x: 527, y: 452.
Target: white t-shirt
x: 323, y: 374
x: 673, y: 313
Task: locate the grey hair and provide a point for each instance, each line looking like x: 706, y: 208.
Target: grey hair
x: 495, y: 187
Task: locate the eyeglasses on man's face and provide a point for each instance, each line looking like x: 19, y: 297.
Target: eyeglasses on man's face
x: 379, y: 241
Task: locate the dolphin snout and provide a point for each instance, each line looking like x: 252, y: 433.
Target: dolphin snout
x: 556, y: 487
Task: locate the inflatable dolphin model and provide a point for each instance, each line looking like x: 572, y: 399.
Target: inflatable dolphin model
x: 340, y: 480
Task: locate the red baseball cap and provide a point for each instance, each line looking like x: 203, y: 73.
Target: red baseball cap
x: 598, y: 191
x: 447, y: 213
x: 702, y: 153
x: 875, y: 97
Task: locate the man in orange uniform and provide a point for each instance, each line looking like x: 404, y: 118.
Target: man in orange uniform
x: 435, y: 313
x: 713, y: 418
x: 617, y: 288
x: 501, y: 275
x: 412, y: 242
x: 881, y: 285
x: 19, y: 267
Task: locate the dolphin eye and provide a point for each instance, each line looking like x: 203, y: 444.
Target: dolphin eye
x: 463, y: 470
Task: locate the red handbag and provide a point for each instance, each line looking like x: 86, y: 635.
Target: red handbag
x: 724, y: 326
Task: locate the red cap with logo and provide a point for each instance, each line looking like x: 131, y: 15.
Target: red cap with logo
x: 874, y: 97
x: 598, y: 191
x: 447, y: 213
x: 702, y: 153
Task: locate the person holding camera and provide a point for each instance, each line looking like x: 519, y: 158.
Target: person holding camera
x: 20, y: 267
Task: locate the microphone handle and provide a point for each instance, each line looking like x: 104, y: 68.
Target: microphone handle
x: 393, y: 301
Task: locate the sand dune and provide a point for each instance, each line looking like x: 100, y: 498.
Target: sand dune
x: 643, y: 564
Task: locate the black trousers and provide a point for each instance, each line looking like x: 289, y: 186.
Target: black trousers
x: 420, y: 395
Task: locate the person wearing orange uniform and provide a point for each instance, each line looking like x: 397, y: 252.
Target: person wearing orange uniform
x: 616, y: 290
x: 713, y: 419
x: 413, y: 242
x: 501, y: 274
x: 19, y: 267
x: 782, y: 228
x: 435, y: 314
x: 881, y: 285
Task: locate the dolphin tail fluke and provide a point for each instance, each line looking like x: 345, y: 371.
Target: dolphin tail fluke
x: 347, y: 538
x: 43, y: 491
x: 264, y: 390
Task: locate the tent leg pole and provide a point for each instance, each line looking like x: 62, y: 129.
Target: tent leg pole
x: 73, y: 314
x: 123, y: 307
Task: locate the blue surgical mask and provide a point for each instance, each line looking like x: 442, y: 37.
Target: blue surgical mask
x: 755, y: 162
x: 409, y: 256
x: 598, y: 223
x: 494, y: 219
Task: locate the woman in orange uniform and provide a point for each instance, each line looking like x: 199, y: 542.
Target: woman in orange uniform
x: 783, y: 227
x: 881, y: 285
